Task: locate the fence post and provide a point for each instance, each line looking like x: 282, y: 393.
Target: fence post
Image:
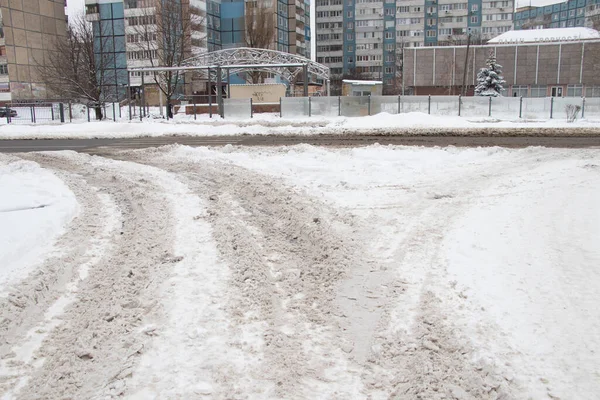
x: 195, y: 112
x: 33, y: 113
x: 114, y: 115
x: 280, y: 108
x: 429, y: 104
x: 398, y: 104
x: 309, y: 107
x: 459, y: 103
x: 70, y: 113
x: 583, y: 107
x: 490, y: 107
x: 61, y: 111
x: 521, y: 107
x: 251, y: 111
x: 369, y: 106
x: 52, y: 111
x: 339, y: 106
x: 88, y: 112
x: 551, y: 107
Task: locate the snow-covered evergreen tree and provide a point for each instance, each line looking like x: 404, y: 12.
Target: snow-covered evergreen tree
x: 489, y: 80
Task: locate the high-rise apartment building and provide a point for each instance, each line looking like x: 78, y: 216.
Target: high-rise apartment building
x: 365, y: 38
x: 125, y: 28
x: 218, y: 24
x: 567, y: 14
x: 28, y: 29
x: 226, y: 24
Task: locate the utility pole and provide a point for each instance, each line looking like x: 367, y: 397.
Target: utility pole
x: 464, y: 82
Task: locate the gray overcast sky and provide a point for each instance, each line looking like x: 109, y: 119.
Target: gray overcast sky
x: 75, y: 7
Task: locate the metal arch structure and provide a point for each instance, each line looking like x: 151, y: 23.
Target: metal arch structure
x: 272, y: 61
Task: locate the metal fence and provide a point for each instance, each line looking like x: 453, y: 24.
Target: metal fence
x: 58, y: 112
x: 495, y: 107
x: 508, y: 108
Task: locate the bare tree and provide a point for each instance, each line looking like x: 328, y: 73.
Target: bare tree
x: 165, y: 35
x: 260, y: 31
x: 74, y: 70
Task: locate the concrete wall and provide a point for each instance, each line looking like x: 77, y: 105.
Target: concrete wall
x: 524, y: 64
x: 30, y: 28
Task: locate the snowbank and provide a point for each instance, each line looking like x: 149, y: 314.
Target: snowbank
x: 272, y: 124
x: 35, y: 207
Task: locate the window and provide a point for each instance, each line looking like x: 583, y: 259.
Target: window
x: 489, y: 17
x: 389, y: 24
x: 389, y: 70
x: 3, y: 69
x: 403, y: 9
x: 415, y: 20
x: 389, y: 46
x: 350, y: 60
x: 538, y: 90
x: 592, y: 91
x: 505, y: 17
x: 474, y: 7
x: 431, y: 33
x: 445, y: 7
x: 430, y: 21
x: 389, y: 35
x: 519, y: 91
x: 574, y: 90
x: 445, y: 32
x: 349, y: 14
x: 390, y: 11
x: 474, y: 19
x: 349, y: 36
x: 350, y: 49
x: 416, y: 9
x: 459, y: 19
x: 350, y: 25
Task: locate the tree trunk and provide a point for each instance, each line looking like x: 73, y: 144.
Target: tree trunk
x: 98, y: 110
x: 169, y: 108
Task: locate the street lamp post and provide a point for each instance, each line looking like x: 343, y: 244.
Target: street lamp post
x: 464, y: 82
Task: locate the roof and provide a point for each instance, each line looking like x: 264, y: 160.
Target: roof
x: 356, y: 82
x: 546, y: 35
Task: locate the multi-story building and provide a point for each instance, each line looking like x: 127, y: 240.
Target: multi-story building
x: 365, y: 38
x: 28, y: 29
x: 125, y: 28
x: 568, y: 14
x: 536, y: 63
x: 226, y: 24
x: 220, y: 24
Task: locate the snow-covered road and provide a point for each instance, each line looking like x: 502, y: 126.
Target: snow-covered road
x: 301, y: 272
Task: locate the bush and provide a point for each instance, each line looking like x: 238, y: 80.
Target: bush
x: 572, y: 112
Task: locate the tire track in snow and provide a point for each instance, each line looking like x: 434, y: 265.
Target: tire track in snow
x: 99, y: 342
x: 287, y: 252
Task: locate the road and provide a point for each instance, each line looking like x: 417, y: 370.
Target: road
x: 99, y: 146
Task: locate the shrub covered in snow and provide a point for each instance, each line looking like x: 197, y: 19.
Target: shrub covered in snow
x: 572, y: 112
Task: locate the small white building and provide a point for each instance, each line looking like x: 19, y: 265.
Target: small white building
x: 361, y: 88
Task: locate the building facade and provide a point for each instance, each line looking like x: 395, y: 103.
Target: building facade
x: 570, y: 68
x: 226, y: 24
x: 568, y: 14
x: 28, y: 30
x: 365, y: 38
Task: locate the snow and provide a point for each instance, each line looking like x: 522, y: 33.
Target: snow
x: 272, y: 124
x: 546, y: 35
x: 325, y: 273
x: 361, y: 82
x: 35, y: 208
x: 518, y: 243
